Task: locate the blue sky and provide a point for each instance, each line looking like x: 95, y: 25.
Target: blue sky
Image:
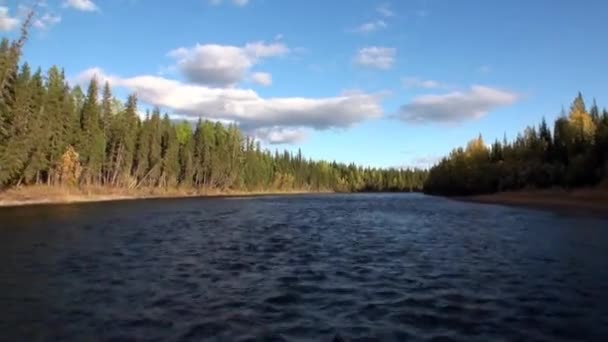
x: 378, y: 83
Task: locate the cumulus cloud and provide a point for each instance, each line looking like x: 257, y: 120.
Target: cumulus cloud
x: 385, y: 10
x: 223, y: 65
x: 7, y: 23
x: 261, y: 78
x: 415, y: 82
x: 376, y: 57
x: 245, y: 106
x: 370, y: 27
x: 81, y: 5
x: 46, y: 21
x: 456, y: 106
x: 280, y: 135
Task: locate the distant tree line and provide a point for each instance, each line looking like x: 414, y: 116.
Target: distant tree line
x: 574, y: 154
x: 58, y: 135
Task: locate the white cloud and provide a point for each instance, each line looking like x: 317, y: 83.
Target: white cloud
x: 261, y: 78
x: 262, y: 50
x: 47, y: 21
x: 424, y: 161
x: 415, y: 82
x: 370, y: 27
x: 7, y: 23
x: 280, y: 135
x: 223, y: 65
x: 456, y: 106
x: 385, y: 10
x: 420, y: 162
x: 240, y: 3
x: 81, y: 5
x: 376, y: 57
x: 245, y: 106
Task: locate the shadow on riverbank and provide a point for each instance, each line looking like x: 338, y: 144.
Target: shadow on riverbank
x: 593, y: 201
x: 34, y: 195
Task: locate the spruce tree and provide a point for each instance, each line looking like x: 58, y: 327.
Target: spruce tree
x: 17, y: 143
x: 186, y: 153
x: 92, y: 142
x: 170, y: 154
x: 58, y: 121
x: 142, y: 151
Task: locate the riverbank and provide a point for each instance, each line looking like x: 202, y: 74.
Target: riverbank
x: 33, y: 195
x: 581, y: 201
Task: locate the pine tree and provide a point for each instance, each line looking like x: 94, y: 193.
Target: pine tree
x: 106, y: 117
x: 92, y: 142
x: 142, y: 151
x: 16, y: 145
x: 58, y: 122
x: 155, y: 149
x: 37, y: 131
x: 106, y: 107
x: 10, y: 53
x: 6, y: 92
x: 186, y: 153
x: 170, y: 154
x: 594, y: 111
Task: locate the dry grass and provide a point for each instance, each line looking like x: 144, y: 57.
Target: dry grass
x: 42, y: 194
x: 587, y: 200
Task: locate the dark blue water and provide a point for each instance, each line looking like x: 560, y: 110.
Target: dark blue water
x: 302, y: 268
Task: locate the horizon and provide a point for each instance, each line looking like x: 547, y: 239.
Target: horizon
x: 390, y: 84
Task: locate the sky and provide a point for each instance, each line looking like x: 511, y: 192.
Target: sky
x: 379, y: 83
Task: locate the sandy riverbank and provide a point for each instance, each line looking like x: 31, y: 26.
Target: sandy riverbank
x: 592, y: 201
x: 32, y: 195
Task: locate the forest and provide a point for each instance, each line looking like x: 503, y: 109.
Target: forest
x: 55, y: 134
x: 572, y: 155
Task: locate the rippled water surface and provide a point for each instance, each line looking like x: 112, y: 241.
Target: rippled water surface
x: 301, y: 268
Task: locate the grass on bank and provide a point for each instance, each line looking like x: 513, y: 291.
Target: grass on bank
x: 43, y: 194
x: 593, y: 200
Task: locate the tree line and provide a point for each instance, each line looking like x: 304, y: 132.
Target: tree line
x: 54, y: 134
x: 573, y: 154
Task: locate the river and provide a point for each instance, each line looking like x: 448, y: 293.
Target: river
x: 387, y: 267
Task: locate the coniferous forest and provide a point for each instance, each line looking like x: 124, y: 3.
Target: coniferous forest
x: 54, y: 134
x: 574, y: 154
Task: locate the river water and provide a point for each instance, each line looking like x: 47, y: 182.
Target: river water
x: 301, y: 268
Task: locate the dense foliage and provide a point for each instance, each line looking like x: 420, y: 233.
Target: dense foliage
x: 51, y: 133
x: 574, y: 154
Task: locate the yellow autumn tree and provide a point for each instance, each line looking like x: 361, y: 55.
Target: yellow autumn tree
x: 477, y: 148
x: 581, y: 123
x: 69, y: 168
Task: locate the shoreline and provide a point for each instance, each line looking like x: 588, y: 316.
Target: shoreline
x: 50, y: 195
x: 592, y: 201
